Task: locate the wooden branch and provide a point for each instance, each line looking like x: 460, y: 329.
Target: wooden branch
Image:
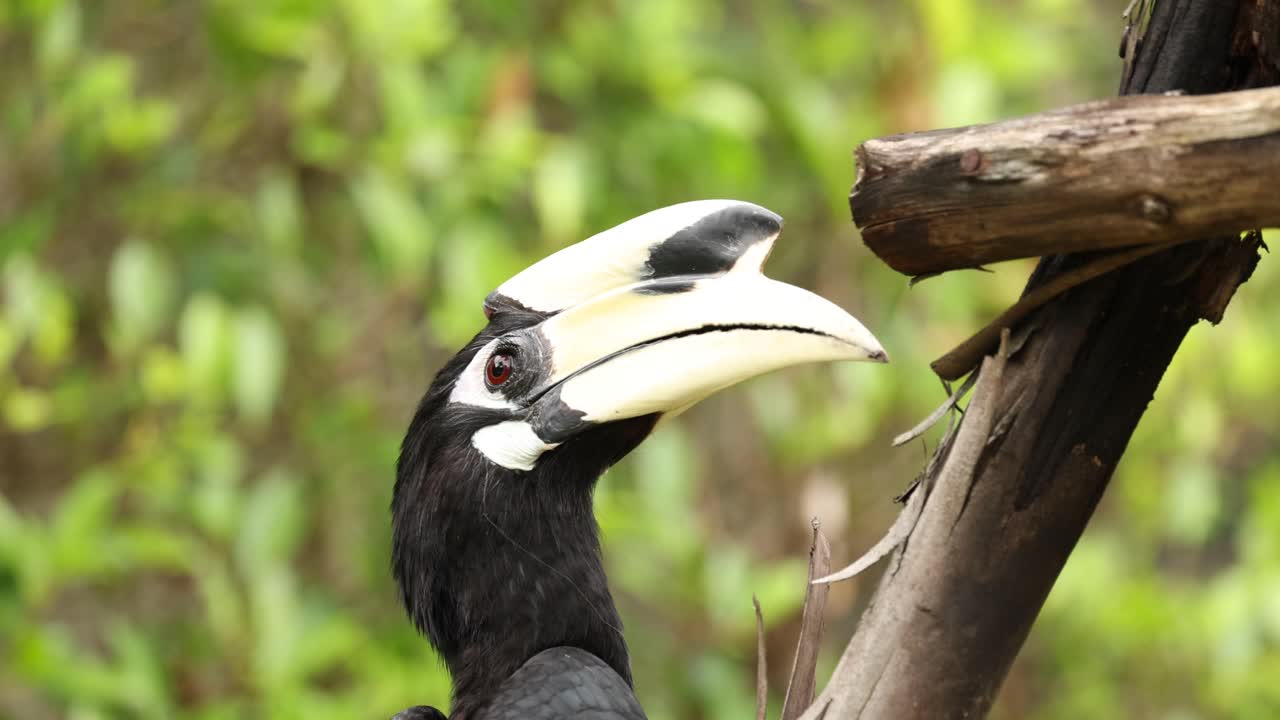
x: 965, y: 357
x: 906, y: 595
x: 1106, y: 174
x: 804, y: 668
x: 948, y: 618
x: 762, y: 664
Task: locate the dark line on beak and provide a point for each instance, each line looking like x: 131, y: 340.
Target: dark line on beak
x: 704, y: 330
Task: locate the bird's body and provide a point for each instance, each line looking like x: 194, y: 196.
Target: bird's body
x: 496, y: 548
x: 563, y: 682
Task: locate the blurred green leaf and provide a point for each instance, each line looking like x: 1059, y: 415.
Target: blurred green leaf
x: 140, y: 125
x: 279, y: 212
x: 966, y: 94
x: 164, y: 377
x: 142, y: 289
x: 204, y: 337
x: 276, y: 632
x: 259, y: 364
x: 396, y: 222
x: 60, y: 37
x: 1193, y: 502
x: 471, y: 270
x: 27, y: 410
x: 80, y: 522
x: 216, y: 501
x: 271, y: 524
x: 559, y: 190
x: 142, y: 682
x: 727, y: 106
x: 100, y: 86
x: 38, y: 309
x: 665, y: 476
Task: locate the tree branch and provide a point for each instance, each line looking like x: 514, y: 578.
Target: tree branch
x: 948, y: 618
x: 1103, y: 175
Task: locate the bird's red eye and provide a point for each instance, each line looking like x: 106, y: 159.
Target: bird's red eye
x: 498, y: 370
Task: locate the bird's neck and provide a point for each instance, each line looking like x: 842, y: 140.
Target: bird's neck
x: 506, y: 564
x: 525, y: 575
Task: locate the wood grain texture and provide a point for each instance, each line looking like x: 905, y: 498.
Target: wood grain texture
x: 1106, y: 174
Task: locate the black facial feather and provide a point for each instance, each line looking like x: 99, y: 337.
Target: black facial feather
x: 496, y: 304
x: 496, y: 565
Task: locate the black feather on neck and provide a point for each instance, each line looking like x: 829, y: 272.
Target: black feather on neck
x: 496, y: 565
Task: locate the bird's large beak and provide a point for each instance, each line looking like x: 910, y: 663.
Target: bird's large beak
x: 663, y: 345
x: 650, y: 317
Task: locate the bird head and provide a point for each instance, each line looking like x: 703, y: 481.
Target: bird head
x: 647, y: 318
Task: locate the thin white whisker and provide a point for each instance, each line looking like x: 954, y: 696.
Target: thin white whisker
x: 484, y: 512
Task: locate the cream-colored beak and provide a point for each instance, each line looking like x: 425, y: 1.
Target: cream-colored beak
x: 648, y: 318
x: 657, y: 347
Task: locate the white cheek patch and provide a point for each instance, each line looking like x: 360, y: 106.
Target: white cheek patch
x: 470, y: 388
x: 512, y: 444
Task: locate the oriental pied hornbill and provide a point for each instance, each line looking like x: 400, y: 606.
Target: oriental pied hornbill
x: 496, y: 549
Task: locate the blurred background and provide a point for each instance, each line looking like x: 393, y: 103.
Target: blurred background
x: 238, y: 237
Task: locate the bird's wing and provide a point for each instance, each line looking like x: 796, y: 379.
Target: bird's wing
x: 564, y: 682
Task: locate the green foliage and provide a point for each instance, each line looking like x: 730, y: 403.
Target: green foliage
x: 236, y: 238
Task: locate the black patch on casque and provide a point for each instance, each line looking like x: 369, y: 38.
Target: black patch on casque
x: 713, y: 244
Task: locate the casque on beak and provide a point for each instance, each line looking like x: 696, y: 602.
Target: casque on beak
x: 651, y: 317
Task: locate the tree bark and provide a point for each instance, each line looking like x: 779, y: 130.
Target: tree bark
x: 1097, y: 176
x: 958, y: 600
